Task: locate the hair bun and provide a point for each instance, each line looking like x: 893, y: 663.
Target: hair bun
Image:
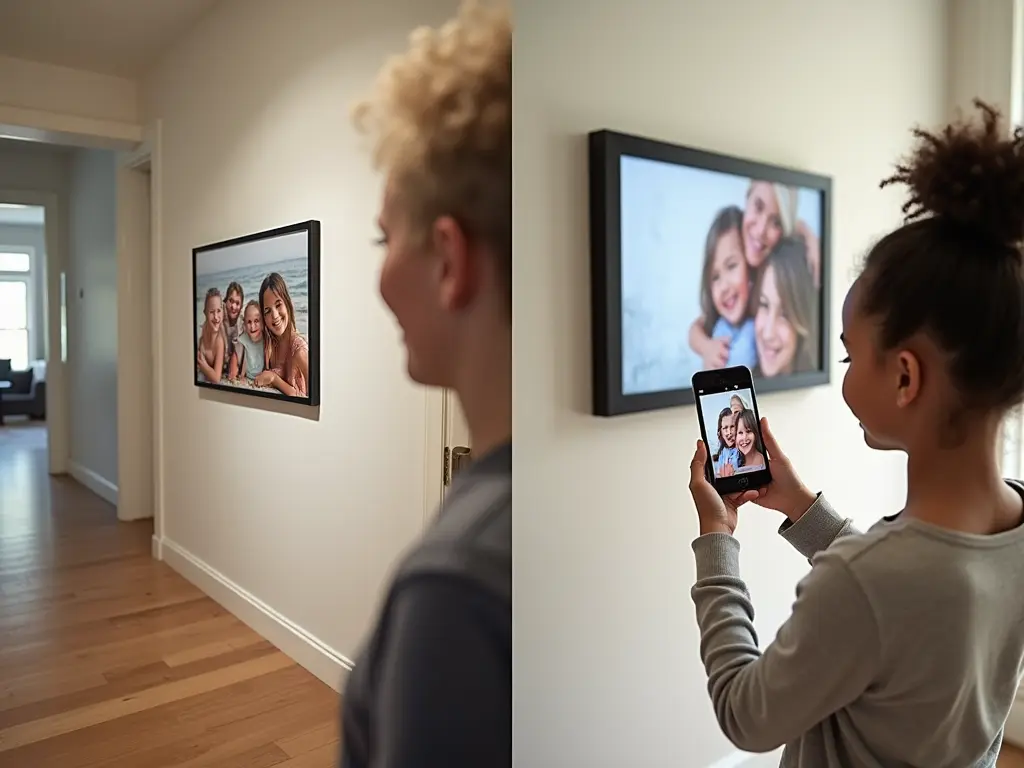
x: 970, y: 175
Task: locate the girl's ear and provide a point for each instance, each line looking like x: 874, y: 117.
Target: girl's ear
x: 908, y: 383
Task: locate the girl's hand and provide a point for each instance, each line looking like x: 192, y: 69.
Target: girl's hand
x: 716, y: 514
x: 786, y: 493
x: 716, y: 354
x: 266, y: 379
x: 728, y: 470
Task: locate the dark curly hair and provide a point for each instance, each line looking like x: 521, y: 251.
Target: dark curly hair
x: 953, y: 270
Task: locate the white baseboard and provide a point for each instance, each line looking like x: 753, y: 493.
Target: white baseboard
x: 95, y: 482
x: 295, y: 642
x: 156, y: 548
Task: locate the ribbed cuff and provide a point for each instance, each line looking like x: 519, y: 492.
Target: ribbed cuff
x: 718, y: 554
x: 815, y: 530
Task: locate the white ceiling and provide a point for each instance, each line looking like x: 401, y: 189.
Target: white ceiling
x: 25, y: 215
x: 113, y: 37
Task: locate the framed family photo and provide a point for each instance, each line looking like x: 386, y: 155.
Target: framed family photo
x: 702, y: 261
x: 256, y: 314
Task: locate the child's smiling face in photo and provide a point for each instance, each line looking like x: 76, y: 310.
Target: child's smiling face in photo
x: 214, y: 312
x: 253, y: 323
x: 275, y: 313
x: 744, y: 437
x: 234, y: 306
x: 730, y: 281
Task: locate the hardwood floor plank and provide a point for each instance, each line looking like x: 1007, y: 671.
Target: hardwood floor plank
x: 310, y: 741
x: 113, y: 709
x: 109, y: 659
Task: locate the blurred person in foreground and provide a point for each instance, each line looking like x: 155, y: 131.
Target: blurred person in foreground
x: 433, y: 684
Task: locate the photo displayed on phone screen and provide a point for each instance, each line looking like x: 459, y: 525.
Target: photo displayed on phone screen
x: 733, y: 433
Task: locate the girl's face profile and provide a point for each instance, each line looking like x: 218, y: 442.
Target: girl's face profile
x: 234, y: 304
x: 744, y: 437
x: 275, y: 313
x: 253, y: 323
x: 214, y: 312
x: 762, y: 223
x: 774, y: 335
x: 730, y: 281
x: 727, y: 426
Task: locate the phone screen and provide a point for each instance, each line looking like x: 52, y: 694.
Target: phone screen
x: 731, y: 429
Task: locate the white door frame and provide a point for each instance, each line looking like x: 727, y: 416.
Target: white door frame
x: 435, y: 440
x: 58, y: 416
x: 442, y: 434
x: 148, y: 156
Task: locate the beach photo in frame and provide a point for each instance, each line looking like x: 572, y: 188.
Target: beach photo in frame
x: 256, y: 314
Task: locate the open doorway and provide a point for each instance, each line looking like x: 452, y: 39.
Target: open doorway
x: 24, y: 338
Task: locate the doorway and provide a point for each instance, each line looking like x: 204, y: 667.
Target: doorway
x: 31, y: 266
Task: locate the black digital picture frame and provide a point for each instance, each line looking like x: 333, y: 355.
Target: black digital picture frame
x: 256, y: 314
x: 702, y: 261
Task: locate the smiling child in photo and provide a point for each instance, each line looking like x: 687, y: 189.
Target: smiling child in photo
x: 249, y: 364
x: 725, y: 290
x: 287, y: 366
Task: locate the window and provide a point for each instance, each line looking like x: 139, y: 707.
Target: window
x: 15, y: 262
x: 15, y: 306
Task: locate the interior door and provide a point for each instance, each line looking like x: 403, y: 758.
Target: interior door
x: 458, y: 448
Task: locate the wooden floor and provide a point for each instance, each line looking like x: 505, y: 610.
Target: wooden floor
x: 108, y: 658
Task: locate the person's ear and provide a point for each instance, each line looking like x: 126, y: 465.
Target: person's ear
x: 908, y: 372
x: 457, y: 268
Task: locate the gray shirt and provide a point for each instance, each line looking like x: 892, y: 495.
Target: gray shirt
x: 904, y: 648
x: 433, y: 686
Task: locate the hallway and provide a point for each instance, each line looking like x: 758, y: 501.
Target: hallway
x: 109, y: 658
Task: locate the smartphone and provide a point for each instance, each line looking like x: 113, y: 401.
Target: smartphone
x: 730, y: 426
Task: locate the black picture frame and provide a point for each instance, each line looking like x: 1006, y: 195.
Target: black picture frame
x: 312, y: 230
x: 606, y: 148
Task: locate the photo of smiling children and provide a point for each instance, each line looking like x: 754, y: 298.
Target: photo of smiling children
x: 255, y: 312
x: 718, y: 270
x: 734, y: 440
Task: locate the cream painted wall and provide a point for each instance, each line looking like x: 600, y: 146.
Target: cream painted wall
x: 606, y: 647
x: 41, y: 87
x: 92, y: 318
x: 34, y: 237
x: 305, y: 510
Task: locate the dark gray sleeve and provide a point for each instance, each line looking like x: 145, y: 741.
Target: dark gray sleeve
x: 822, y: 658
x: 445, y: 679
x: 815, y: 531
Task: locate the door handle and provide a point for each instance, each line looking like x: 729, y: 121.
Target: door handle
x: 461, y: 458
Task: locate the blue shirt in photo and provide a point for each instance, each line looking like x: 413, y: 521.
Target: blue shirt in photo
x: 727, y: 456
x: 742, y: 350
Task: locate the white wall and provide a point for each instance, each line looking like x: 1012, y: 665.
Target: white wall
x: 606, y: 646
x: 92, y: 316
x: 41, y: 87
x: 305, y: 510
x: 32, y: 236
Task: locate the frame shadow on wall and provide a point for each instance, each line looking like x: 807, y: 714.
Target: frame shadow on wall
x: 256, y: 320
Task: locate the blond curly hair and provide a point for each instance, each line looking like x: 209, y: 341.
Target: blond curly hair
x: 440, y: 117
